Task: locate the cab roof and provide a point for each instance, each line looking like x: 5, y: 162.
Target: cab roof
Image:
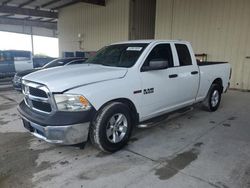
x: 150, y: 41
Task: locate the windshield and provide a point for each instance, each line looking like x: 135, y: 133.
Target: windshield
x: 118, y: 55
x: 76, y: 62
x: 54, y: 63
x: 58, y: 62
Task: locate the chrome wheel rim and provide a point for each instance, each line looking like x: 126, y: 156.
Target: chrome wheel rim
x: 116, y: 128
x: 215, y: 98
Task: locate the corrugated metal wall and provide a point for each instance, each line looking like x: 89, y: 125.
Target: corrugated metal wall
x: 220, y: 28
x: 142, y: 19
x: 98, y: 25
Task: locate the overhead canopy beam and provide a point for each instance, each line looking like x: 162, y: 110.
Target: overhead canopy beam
x: 5, y: 2
x: 7, y: 15
x: 67, y: 4
x: 38, y: 19
x: 28, y: 12
x: 96, y: 2
x: 32, y: 23
x: 26, y: 3
x: 49, y: 3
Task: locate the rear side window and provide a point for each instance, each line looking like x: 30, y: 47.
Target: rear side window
x: 160, y: 52
x: 183, y: 54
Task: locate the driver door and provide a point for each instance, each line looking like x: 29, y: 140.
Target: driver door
x: 159, y: 86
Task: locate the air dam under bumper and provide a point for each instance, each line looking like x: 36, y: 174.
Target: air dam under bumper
x: 67, y: 135
x: 65, y: 128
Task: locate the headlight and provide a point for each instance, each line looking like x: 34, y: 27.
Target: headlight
x: 71, y: 102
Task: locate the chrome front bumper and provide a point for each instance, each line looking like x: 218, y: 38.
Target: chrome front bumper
x: 66, y: 135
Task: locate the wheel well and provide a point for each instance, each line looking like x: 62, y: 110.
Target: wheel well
x: 133, y: 112
x: 219, y: 82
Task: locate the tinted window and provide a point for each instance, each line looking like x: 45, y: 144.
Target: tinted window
x: 76, y: 62
x: 118, y: 55
x: 25, y: 54
x: 183, y: 54
x: 58, y: 62
x: 161, y: 52
x: 54, y: 63
x: 6, y: 56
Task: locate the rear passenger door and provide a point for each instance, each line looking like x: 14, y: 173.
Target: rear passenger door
x: 187, y: 73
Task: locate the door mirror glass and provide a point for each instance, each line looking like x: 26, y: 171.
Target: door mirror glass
x: 155, y: 65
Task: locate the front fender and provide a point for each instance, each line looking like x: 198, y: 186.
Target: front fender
x: 100, y: 93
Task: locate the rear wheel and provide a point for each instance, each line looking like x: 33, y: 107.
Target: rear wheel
x: 112, y: 127
x: 212, y: 101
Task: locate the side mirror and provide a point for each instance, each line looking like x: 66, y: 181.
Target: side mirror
x: 155, y: 65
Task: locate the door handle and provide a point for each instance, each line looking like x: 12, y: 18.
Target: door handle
x: 173, y: 75
x: 194, y: 72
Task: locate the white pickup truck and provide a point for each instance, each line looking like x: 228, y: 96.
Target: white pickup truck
x: 122, y: 86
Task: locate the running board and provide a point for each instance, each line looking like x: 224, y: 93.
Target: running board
x: 157, y: 120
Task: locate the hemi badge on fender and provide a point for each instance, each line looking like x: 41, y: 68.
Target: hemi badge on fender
x: 137, y: 91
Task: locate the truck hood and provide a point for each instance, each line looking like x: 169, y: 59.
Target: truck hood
x: 60, y: 79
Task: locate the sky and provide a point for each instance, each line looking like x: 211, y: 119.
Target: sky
x: 42, y: 45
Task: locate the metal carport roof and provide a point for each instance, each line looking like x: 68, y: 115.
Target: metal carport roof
x: 36, y: 13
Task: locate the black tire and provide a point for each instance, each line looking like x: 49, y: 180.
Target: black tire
x: 207, y: 103
x: 98, y: 135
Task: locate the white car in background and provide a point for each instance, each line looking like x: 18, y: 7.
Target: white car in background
x: 12, y: 61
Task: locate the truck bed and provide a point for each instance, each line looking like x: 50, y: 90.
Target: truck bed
x: 209, y: 71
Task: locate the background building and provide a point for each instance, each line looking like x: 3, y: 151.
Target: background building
x: 90, y: 27
x: 218, y: 28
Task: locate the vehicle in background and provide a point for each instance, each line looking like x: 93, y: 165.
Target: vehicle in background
x: 55, y: 63
x: 40, y: 61
x: 124, y: 85
x: 12, y: 61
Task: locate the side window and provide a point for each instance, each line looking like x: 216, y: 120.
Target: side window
x: 7, y: 56
x: 183, y: 54
x: 161, y: 52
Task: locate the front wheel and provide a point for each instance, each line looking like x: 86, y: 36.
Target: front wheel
x: 212, y: 101
x: 112, y: 127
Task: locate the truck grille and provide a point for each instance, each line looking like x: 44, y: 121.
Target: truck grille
x: 37, y: 92
x: 37, y: 97
x: 42, y: 106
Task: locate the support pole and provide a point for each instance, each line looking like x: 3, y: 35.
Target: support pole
x: 32, y: 42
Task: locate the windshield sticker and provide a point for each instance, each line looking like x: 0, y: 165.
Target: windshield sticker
x: 134, y: 48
